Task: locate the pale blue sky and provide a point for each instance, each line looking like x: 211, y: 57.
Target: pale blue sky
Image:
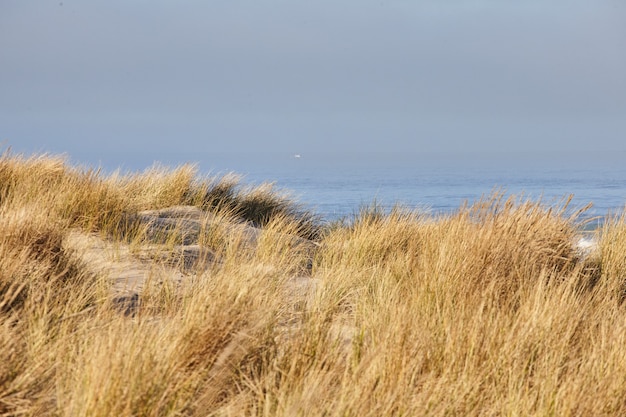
x: 111, y: 80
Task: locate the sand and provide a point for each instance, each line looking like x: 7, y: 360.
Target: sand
x: 130, y: 267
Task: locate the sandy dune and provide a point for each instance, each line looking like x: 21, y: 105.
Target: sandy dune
x: 130, y: 268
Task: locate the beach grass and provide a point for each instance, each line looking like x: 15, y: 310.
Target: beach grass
x: 490, y: 310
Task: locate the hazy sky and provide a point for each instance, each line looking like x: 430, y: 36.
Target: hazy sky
x: 123, y: 77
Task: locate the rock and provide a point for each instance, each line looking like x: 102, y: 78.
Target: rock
x: 127, y: 304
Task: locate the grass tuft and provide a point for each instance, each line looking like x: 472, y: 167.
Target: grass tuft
x: 243, y: 303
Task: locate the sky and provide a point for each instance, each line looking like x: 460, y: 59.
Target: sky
x: 119, y: 81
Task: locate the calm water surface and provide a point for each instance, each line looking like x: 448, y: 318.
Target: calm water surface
x: 337, y: 185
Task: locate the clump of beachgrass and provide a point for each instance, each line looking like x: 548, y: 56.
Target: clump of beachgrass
x: 490, y: 310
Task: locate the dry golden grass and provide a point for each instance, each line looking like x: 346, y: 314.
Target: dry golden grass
x: 489, y: 311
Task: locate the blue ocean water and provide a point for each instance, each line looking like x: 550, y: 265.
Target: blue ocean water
x: 337, y: 185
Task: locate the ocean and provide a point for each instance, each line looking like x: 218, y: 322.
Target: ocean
x: 337, y: 185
